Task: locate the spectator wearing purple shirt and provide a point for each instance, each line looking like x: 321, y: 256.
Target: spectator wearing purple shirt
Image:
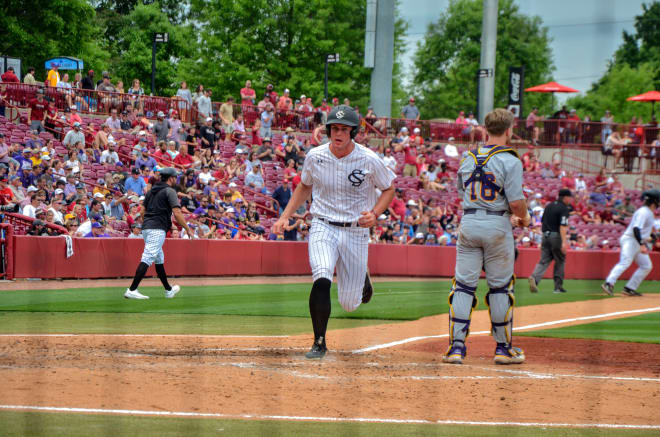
x: 144, y: 160
x: 34, y: 142
x: 98, y: 231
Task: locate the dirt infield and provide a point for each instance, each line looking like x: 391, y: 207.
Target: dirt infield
x: 563, y: 381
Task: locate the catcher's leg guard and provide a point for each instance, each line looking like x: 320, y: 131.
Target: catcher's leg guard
x: 461, y: 303
x: 500, y: 303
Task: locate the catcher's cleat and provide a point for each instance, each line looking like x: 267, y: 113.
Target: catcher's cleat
x: 532, y: 285
x: 607, y: 288
x: 628, y: 292
x: 368, y: 289
x: 506, y: 354
x: 318, y: 350
x: 455, y: 354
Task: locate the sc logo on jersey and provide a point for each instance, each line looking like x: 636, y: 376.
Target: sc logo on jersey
x: 356, y: 177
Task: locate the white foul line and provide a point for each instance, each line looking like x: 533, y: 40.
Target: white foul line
x: 520, y: 328
x: 322, y: 419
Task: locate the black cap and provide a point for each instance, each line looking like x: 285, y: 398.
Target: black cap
x: 135, y: 170
x: 565, y: 192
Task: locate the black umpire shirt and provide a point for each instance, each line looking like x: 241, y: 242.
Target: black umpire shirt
x: 555, y: 215
x: 159, y: 202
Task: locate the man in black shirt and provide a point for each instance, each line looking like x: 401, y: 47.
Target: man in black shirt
x: 160, y: 203
x: 555, y: 241
x: 208, y: 134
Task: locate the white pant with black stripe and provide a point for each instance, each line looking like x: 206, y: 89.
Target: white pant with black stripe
x: 153, y: 246
x: 347, y: 249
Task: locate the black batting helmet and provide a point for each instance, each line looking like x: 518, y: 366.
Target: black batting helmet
x: 343, y: 114
x: 166, y: 173
x: 651, y: 196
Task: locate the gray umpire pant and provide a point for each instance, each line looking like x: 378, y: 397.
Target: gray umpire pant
x: 551, y: 251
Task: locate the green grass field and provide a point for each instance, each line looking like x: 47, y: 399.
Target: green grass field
x: 272, y: 309
x: 639, y: 329
x: 83, y: 425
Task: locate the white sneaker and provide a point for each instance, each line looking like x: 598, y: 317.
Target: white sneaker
x: 170, y: 294
x: 135, y: 294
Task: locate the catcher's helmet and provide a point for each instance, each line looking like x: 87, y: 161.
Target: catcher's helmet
x: 343, y: 114
x: 651, y: 196
x: 166, y: 173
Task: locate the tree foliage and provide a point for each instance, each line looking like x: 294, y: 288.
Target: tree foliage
x: 283, y: 42
x: 40, y: 29
x: 634, y: 69
x: 447, y: 60
x: 620, y: 83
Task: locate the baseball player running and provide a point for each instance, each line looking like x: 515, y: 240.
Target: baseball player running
x: 490, y: 183
x: 160, y: 203
x: 634, y: 247
x: 343, y: 178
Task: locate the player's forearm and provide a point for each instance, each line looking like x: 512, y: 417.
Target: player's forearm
x: 383, y: 201
x: 519, y: 209
x: 181, y: 220
x: 563, y: 231
x: 301, y: 194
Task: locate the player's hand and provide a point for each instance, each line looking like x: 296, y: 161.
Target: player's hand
x: 367, y: 219
x: 278, y: 226
x: 643, y: 249
x: 564, y: 248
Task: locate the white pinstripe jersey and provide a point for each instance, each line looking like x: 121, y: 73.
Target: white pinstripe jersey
x: 344, y: 187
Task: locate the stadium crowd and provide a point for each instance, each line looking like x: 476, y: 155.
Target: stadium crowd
x: 238, y: 168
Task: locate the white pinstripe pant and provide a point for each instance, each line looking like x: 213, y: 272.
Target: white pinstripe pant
x: 347, y: 249
x: 153, y: 246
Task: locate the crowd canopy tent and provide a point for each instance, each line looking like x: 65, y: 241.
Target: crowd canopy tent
x: 551, y: 87
x: 651, y: 96
x: 65, y: 63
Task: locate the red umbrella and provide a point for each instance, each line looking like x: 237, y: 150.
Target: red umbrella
x: 552, y: 87
x: 651, y: 96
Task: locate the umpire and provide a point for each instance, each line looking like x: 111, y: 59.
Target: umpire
x: 555, y: 241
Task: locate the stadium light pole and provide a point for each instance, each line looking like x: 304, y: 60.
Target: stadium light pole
x: 486, y: 73
x: 158, y: 37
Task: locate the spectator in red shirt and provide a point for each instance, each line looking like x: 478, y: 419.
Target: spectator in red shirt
x: 161, y: 156
x: 10, y: 76
x: 568, y: 181
x: 272, y: 95
x: 183, y: 159
x: 248, y: 95
x: 572, y: 126
x: 285, y: 103
x: 397, y: 207
x: 36, y: 110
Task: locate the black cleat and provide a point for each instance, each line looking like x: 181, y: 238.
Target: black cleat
x: 607, y: 288
x: 318, y: 350
x: 368, y: 289
x: 628, y: 292
x: 559, y: 290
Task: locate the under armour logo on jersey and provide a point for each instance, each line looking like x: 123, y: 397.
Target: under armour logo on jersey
x: 356, y: 177
x: 340, y: 114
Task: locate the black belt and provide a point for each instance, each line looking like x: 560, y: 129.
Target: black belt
x: 488, y: 212
x: 548, y: 233
x: 339, y: 224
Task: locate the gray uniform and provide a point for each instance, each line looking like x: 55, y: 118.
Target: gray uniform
x: 485, y: 241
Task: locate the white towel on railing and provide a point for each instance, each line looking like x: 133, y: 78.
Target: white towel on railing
x: 69, y: 246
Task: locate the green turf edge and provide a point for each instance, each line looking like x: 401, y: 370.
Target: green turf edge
x: 636, y: 329
x: 17, y: 322
x: 39, y: 424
